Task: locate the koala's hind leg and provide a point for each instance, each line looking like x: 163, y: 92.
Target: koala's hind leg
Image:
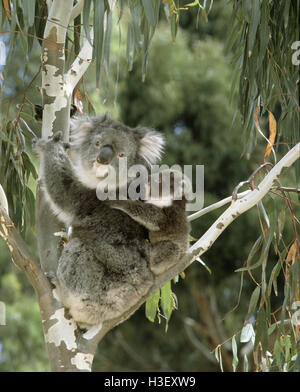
x: 164, y: 256
x: 79, y: 279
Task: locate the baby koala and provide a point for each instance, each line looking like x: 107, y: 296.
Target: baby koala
x: 163, y: 214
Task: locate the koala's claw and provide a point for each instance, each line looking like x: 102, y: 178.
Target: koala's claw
x: 51, y: 277
x: 58, y: 136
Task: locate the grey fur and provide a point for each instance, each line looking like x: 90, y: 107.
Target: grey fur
x: 110, y: 260
x: 168, y: 226
x: 104, y: 269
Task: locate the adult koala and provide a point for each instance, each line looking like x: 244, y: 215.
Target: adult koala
x: 104, y: 268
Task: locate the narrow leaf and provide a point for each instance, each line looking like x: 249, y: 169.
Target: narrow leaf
x: 253, y: 301
x: 235, y: 359
x: 107, y: 39
x: 272, y: 133
x: 99, y: 11
x: 166, y: 300
x: 245, y: 367
x: 152, y: 306
x: 28, y: 8
x: 293, y: 250
x: 255, y: 19
x: 86, y: 18
x: 149, y: 7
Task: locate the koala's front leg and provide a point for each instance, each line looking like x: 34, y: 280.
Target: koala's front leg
x: 57, y: 173
x: 147, y: 215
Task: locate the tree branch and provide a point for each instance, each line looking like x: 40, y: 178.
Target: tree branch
x: 81, y: 63
x: 21, y: 255
x: 214, y: 206
x: 77, y: 9
x: 56, y: 97
x: 240, y: 206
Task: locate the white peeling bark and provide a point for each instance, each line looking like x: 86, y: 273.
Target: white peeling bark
x: 239, y: 206
x: 80, y: 64
x: 214, y: 206
x: 77, y: 9
x: 56, y: 96
x: 3, y: 200
x: 67, y: 350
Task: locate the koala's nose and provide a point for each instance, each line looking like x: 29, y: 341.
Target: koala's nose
x: 105, y: 155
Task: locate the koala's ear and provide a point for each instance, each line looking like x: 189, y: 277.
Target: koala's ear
x: 151, y: 144
x: 80, y: 127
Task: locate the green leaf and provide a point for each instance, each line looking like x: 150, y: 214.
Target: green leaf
x: 251, y: 254
x: 277, y: 353
x: 146, y: 44
x: 245, y: 367
x: 255, y: 19
x: 27, y: 128
x: 91, y: 109
x: 174, y: 26
x: 264, y: 252
x: 28, y: 8
x: 29, y: 165
x: 272, y: 328
x: 150, y: 10
x: 99, y: 12
x: 192, y: 4
x: 235, y: 359
x: 287, y: 346
x: 107, y: 39
x: 152, y: 306
x: 130, y: 47
x: 218, y: 356
x: 264, y: 213
x: 30, y: 206
x: 86, y: 18
x: 261, y: 335
x: 166, y: 301
x: 253, y: 301
x: 264, y: 32
x: 275, y: 272
x: 135, y: 19
x: 39, y: 24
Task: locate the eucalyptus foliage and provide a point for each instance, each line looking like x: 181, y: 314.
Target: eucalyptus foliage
x: 261, y: 38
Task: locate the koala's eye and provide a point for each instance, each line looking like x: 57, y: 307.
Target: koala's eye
x: 97, y: 144
x: 121, y: 155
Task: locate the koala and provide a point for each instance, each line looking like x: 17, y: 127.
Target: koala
x: 163, y: 214
x: 104, y: 269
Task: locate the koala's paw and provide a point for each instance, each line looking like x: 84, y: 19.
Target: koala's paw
x: 51, y: 277
x: 58, y: 137
x: 41, y: 145
x: 38, y: 145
